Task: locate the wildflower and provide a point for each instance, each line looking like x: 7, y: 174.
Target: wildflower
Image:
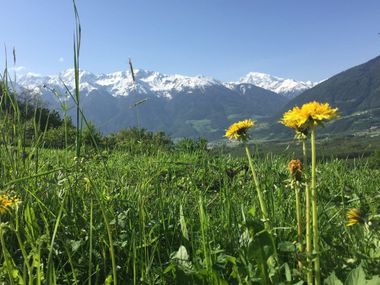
x: 295, y: 169
x: 294, y: 119
x: 309, y: 115
x: 354, y: 216
x: 316, y: 112
x: 7, y: 202
x: 238, y: 131
x: 303, y: 120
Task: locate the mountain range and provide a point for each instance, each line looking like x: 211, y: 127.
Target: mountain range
x: 194, y: 106
x: 190, y: 106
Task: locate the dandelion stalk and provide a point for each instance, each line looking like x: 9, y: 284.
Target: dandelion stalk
x: 295, y: 168
x: 307, y: 218
x: 264, y: 212
x: 303, y: 119
x: 239, y: 131
x: 8, y: 265
x: 263, y: 207
x: 299, y: 225
x: 317, y: 277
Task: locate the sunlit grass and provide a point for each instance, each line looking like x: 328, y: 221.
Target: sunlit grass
x: 176, y: 214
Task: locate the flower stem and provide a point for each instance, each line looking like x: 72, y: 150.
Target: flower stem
x: 299, y: 225
x: 307, y: 216
x: 317, y: 278
x: 274, y: 259
x: 8, y: 264
x: 263, y: 207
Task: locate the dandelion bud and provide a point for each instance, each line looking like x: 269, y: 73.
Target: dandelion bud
x: 295, y: 169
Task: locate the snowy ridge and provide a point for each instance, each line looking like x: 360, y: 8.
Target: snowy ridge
x: 157, y: 84
x: 282, y: 86
x: 120, y: 83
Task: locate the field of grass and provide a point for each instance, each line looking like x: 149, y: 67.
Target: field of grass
x: 173, y: 217
x: 134, y: 208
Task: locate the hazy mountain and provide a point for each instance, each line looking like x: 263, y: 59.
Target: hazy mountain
x: 180, y: 105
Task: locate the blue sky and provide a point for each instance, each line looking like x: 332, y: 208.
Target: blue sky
x: 225, y: 39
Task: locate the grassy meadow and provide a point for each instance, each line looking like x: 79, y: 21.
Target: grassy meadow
x: 136, y: 208
x: 182, y: 215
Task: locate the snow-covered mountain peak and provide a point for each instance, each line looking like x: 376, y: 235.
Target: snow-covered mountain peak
x: 287, y: 87
x: 68, y: 76
x: 157, y: 84
x: 120, y: 83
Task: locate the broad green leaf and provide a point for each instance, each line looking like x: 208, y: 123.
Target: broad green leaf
x: 356, y: 276
x: 332, y: 280
x: 182, y: 258
x: 374, y: 281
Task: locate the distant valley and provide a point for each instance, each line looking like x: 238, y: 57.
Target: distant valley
x: 198, y: 106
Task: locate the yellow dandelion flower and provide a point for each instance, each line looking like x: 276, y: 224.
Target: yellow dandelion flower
x: 6, y: 202
x: 295, y: 169
x: 317, y: 112
x: 310, y: 114
x: 238, y: 131
x: 294, y: 119
x: 354, y: 216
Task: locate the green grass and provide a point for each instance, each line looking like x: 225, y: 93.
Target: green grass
x: 175, y: 216
x: 70, y: 222
x: 164, y: 215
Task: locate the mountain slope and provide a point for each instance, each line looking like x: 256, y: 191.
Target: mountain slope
x: 356, y: 89
x: 356, y: 92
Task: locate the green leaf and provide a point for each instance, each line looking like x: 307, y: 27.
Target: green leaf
x: 286, y: 246
x: 182, y: 258
x: 75, y: 244
x: 182, y: 221
x: 374, y: 281
x: 356, y: 276
x: 288, y: 274
x: 108, y: 280
x: 332, y: 280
